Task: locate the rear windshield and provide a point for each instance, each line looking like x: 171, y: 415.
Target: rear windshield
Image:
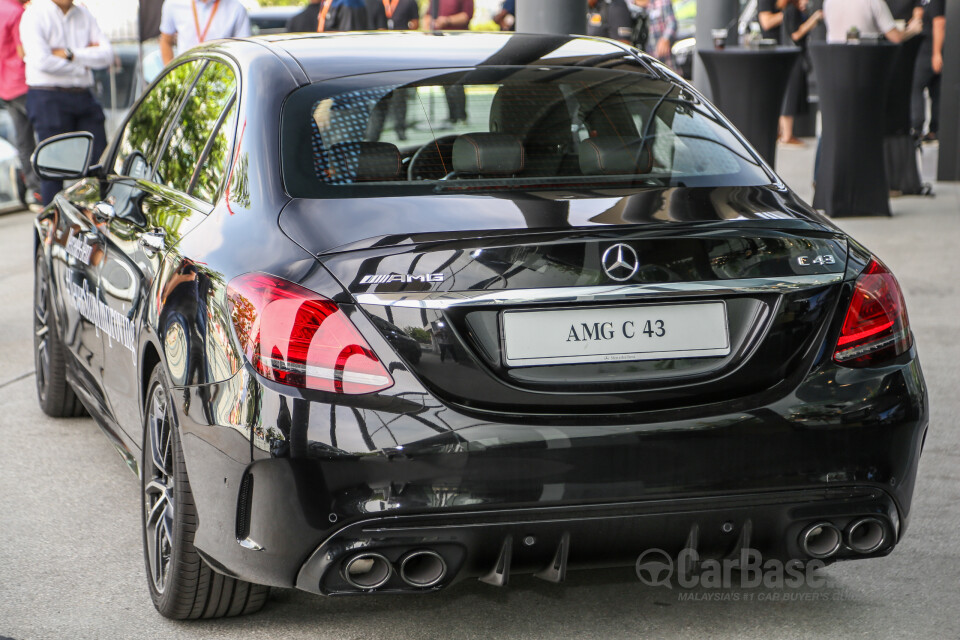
x: 501, y: 129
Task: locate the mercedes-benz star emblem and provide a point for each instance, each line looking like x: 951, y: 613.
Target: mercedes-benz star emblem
x: 620, y: 261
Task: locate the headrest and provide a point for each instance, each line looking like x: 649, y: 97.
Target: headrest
x: 364, y: 161
x: 531, y: 111
x: 613, y: 155
x: 488, y: 154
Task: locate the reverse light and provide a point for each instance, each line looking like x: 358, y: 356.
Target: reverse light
x: 876, y: 327
x: 296, y: 337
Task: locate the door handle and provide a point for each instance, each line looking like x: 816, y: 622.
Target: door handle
x: 153, y: 241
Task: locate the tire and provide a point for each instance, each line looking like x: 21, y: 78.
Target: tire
x: 54, y: 393
x: 182, y: 585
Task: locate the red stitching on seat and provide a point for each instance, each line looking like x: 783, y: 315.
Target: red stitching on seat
x: 596, y: 150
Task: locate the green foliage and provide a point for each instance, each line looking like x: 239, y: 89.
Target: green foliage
x: 418, y: 334
x: 193, y: 129
x: 143, y: 132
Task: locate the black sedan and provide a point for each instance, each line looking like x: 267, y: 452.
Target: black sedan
x: 376, y: 313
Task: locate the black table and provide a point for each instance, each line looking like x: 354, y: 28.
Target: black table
x: 748, y: 87
x: 854, y: 80
x: 900, y: 149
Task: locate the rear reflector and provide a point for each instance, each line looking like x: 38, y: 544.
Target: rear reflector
x: 876, y: 327
x: 296, y: 337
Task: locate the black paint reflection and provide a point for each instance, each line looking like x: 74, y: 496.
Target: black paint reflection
x: 335, y: 225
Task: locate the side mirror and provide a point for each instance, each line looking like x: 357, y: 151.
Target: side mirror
x: 64, y: 157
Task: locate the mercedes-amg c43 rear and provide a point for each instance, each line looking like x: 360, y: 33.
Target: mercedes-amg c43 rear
x: 355, y: 341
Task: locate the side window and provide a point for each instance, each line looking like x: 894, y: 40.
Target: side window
x: 198, y: 124
x: 212, y: 171
x: 144, y: 131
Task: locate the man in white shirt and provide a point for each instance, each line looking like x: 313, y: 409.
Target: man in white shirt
x: 872, y: 18
x: 191, y: 22
x: 62, y: 43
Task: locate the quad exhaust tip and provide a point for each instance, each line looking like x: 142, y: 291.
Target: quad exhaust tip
x: 866, y: 535
x: 422, y: 568
x: 367, y: 571
x: 820, y: 540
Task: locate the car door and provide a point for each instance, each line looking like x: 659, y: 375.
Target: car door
x: 155, y: 204
x: 112, y: 207
x: 76, y: 258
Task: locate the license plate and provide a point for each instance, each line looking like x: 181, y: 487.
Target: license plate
x: 611, y: 334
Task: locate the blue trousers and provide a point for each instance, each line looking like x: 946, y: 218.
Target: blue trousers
x: 55, y: 111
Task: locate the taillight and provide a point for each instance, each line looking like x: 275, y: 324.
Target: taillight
x: 876, y: 328
x: 296, y: 337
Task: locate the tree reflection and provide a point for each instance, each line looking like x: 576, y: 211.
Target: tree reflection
x: 144, y: 131
x: 210, y: 175
x: 244, y: 314
x: 169, y: 216
x: 240, y: 183
x: 212, y: 93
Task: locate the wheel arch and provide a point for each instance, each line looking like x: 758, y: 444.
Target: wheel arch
x: 44, y: 226
x: 149, y: 358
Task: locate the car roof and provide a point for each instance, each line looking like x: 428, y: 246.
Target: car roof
x: 328, y: 55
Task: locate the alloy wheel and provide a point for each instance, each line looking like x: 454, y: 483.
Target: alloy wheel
x: 41, y: 332
x: 158, y: 489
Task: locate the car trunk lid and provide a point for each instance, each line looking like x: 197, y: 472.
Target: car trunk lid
x: 477, y: 309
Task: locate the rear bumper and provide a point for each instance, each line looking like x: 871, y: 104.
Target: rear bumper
x: 330, y: 480
x: 492, y: 545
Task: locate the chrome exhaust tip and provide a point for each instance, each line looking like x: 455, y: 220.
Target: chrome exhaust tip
x: 820, y: 540
x: 866, y: 535
x: 423, y: 568
x: 367, y: 571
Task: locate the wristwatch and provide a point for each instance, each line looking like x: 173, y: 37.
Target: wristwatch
x: 68, y: 54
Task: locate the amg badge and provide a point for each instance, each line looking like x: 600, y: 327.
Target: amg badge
x: 397, y: 277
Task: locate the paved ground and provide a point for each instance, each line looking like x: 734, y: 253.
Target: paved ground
x: 71, y: 565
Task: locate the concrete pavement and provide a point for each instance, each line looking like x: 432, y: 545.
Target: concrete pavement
x: 70, y: 550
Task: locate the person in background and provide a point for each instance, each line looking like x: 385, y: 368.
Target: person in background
x: 187, y: 23
x: 641, y: 25
x: 506, y: 18
x: 331, y: 15
x: 926, y: 74
x: 872, y: 18
x: 663, y: 26
x: 452, y: 15
x: 62, y: 44
x: 13, y: 93
x: 797, y: 25
x: 905, y: 10
x: 770, y: 17
x: 393, y: 15
x: 610, y: 19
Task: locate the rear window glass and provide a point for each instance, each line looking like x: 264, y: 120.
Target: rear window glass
x: 497, y: 129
